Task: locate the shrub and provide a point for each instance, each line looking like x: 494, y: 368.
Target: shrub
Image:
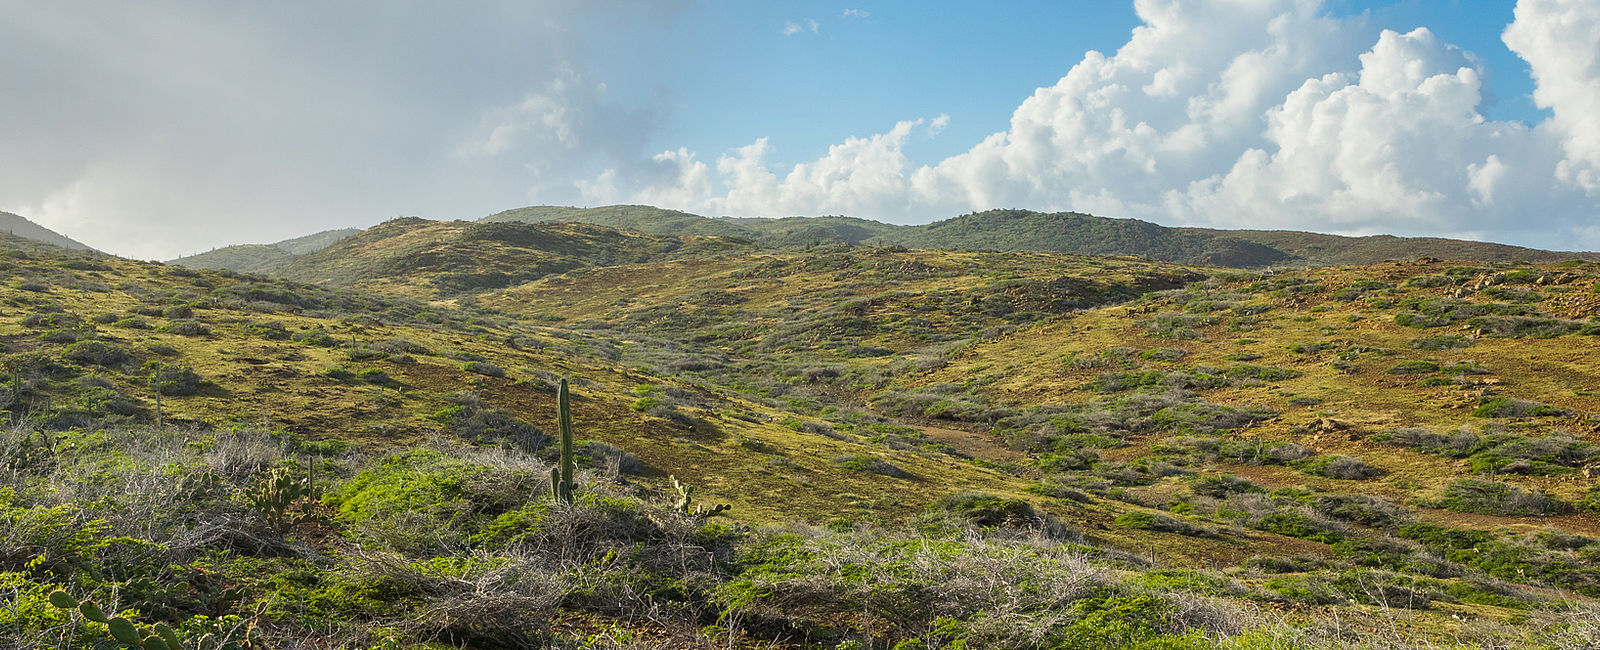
x: 605, y: 456
x: 1164, y: 354
x: 375, y: 376
x: 986, y: 509
x: 172, y: 379
x: 1219, y: 486
x: 484, y: 368
x: 1340, y: 467
x: 1505, y: 407
x: 468, y: 416
x: 316, y: 338
x: 185, y: 328
x: 96, y: 353
x: 1358, y: 508
x: 1414, y: 367
x: 424, y: 501
x: 870, y: 463
x: 1143, y: 520
x: 1497, y: 498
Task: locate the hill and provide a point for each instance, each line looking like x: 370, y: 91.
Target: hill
x: 263, y: 258
x: 21, y: 227
x: 422, y: 258
x: 945, y: 448
x: 1060, y: 232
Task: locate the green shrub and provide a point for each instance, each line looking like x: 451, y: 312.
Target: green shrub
x: 172, y: 379
x: 470, y: 417
x: 1497, y: 498
x: 1413, y: 367
x: 1143, y: 520
x: 870, y: 463
x: 1506, y: 407
x: 1339, y: 467
x: 1219, y: 486
x: 425, y: 501
x: 986, y: 509
x: 185, y: 328
x: 484, y: 368
x: 96, y: 353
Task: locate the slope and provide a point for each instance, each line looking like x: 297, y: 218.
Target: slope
x: 422, y: 258
x: 1060, y: 232
x: 21, y: 227
x: 263, y: 258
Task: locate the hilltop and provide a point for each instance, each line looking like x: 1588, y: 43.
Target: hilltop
x: 423, y: 258
x: 263, y: 258
x: 21, y: 227
x: 1058, y: 232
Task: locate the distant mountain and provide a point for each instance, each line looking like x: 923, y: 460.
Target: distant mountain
x: 21, y: 227
x: 264, y: 258
x: 1058, y: 232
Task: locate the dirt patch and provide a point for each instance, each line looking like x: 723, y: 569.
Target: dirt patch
x: 977, y: 445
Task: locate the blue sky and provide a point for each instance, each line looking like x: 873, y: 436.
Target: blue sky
x: 173, y: 126
x: 732, y: 75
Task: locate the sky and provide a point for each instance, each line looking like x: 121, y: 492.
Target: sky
x: 170, y: 127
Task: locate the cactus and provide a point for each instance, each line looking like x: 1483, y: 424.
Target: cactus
x: 159, y: 636
x: 685, y: 494
x: 274, y: 496
x: 561, y: 486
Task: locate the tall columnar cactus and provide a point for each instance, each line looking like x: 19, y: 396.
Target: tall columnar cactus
x: 561, y: 486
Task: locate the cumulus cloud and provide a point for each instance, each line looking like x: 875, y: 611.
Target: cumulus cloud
x: 1255, y: 114
x: 1560, y: 40
x: 1398, y: 146
x: 856, y: 13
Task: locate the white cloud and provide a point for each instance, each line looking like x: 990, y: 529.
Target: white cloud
x: 790, y: 28
x: 1560, y: 40
x: 856, y: 13
x: 1397, y: 147
x: 1256, y: 114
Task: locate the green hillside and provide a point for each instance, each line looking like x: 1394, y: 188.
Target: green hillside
x: 423, y: 258
x: 917, y: 448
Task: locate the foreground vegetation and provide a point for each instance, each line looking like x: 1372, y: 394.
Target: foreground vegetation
x: 465, y: 546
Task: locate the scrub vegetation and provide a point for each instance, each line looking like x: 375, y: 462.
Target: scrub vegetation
x: 781, y: 441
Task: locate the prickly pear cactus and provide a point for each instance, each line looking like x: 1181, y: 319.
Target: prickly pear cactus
x: 154, y: 637
x: 276, y: 496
